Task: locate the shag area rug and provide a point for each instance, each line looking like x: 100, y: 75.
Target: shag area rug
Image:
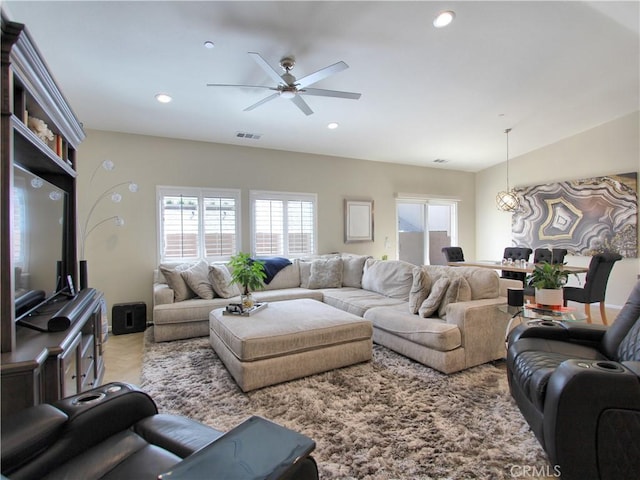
x: 391, y: 418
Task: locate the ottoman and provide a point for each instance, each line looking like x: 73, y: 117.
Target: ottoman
x: 288, y: 340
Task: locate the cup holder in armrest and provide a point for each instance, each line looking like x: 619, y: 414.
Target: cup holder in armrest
x: 88, y: 399
x: 608, y: 366
x: 544, y: 323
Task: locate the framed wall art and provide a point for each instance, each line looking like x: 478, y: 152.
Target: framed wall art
x: 358, y: 221
x: 586, y: 217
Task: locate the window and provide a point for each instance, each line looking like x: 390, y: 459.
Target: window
x: 283, y: 223
x: 198, y: 223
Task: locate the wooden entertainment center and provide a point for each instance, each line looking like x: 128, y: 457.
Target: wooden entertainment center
x: 42, y: 366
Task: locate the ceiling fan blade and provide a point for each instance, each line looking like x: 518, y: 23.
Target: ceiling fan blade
x: 302, y: 105
x: 261, y: 102
x: 330, y: 93
x: 273, y: 73
x: 241, y: 86
x: 320, y: 74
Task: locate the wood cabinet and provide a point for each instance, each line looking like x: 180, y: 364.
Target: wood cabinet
x: 41, y: 366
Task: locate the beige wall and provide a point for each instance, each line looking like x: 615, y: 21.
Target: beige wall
x: 121, y: 260
x: 608, y: 149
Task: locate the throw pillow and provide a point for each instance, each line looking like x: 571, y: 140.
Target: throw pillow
x: 173, y: 275
x: 431, y: 303
x: 420, y: 289
x: 220, y: 279
x: 458, y: 291
x: 391, y: 278
x: 326, y: 273
x: 197, y: 278
x: 352, y: 268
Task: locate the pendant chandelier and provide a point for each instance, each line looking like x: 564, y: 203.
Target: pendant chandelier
x: 507, y: 200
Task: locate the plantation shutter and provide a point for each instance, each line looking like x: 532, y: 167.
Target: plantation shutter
x: 180, y: 226
x: 219, y: 226
x: 300, y: 222
x: 269, y: 227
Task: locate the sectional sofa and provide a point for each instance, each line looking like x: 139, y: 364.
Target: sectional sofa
x: 444, y: 317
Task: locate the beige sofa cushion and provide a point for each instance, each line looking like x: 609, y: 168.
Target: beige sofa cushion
x: 197, y: 278
x: 431, y: 332
x: 430, y: 305
x: 392, y: 278
x: 420, y: 289
x: 352, y: 269
x: 173, y: 276
x: 326, y: 273
x: 357, y: 300
x: 288, y: 277
x: 221, y: 281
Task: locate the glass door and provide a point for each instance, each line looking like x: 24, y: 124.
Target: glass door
x: 424, y: 227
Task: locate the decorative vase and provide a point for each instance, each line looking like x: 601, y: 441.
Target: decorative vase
x: 247, y: 300
x: 547, y: 296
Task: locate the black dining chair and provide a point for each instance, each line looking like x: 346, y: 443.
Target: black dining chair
x: 453, y: 254
x: 542, y: 255
x: 558, y: 254
x: 595, y: 284
x: 516, y: 253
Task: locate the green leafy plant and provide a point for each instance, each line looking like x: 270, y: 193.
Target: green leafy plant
x: 247, y: 272
x: 548, y: 276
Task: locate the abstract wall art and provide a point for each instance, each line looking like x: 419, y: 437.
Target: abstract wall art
x: 586, y: 217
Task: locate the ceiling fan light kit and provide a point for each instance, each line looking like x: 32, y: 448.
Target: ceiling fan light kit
x: 288, y: 87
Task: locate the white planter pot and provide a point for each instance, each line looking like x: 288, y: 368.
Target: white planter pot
x: 546, y: 296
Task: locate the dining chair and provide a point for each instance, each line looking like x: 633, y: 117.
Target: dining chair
x: 542, y: 255
x: 453, y: 254
x: 595, y: 284
x: 558, y: 254
x: 516, y: 253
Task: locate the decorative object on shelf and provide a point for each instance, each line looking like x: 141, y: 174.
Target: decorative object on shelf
x: 249, y: 273
x: 40, y: 128
x: 548, y: 280
x: 87, y: 227
x: 507, y: 200
x: 238, y: 309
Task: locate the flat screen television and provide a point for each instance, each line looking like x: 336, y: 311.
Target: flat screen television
x: 40, y: 213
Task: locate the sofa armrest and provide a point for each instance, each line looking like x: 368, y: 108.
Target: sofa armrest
x: 507, y: 283
x: 162, y: 294
x: 482, y: 326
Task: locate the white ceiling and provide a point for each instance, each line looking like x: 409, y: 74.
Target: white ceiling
x: 547, y: 69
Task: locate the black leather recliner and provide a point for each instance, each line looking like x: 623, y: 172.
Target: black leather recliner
x: 578, y: 387
x: 111, y: 432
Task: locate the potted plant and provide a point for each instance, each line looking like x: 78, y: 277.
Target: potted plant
x: 249, y: 273
x: 548, y: 280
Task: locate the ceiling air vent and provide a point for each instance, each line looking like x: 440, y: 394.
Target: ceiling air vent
x: 440, y: 160
x: 252, y: 136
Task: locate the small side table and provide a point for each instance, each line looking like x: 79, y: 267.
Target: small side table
x: 535, y: 314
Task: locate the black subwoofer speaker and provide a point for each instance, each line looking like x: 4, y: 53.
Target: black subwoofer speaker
x: 128, y: 318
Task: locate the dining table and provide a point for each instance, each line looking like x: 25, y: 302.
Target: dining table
x: 516, y: 266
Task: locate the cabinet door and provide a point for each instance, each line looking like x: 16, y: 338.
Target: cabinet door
x: 70, y: 365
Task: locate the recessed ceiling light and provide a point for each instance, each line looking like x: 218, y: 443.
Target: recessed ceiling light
x: 332, y: 126
x: 444, y: 18
x: 163, y: 98
x: 209, y: 44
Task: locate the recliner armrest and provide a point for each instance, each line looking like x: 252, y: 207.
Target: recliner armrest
x: 27, y: 433
x: 578, y: 393
x: 583, y: 333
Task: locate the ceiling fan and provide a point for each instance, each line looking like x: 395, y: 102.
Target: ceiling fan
x: 289, y: 87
